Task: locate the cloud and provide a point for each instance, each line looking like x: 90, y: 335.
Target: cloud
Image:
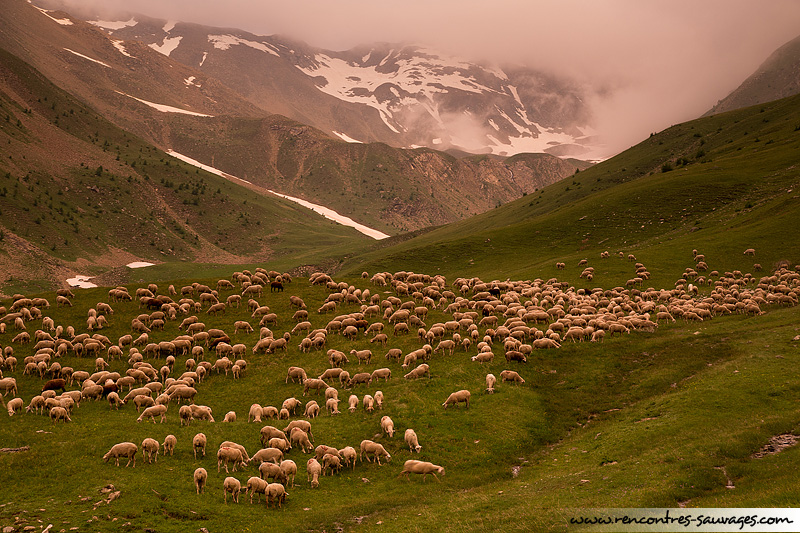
x: 657, y: 62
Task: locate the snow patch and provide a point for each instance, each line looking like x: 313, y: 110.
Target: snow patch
x: 87, y: 57
x: 46, y: 13
x: 114, y: 25
x: 190, y: 81
x: 82, y: 282
x: 121, y: 47
x: 347, y: 138
x: 205, y: 55
x: 168, y: 46
x: 139, y: 264
x: 165, y: 108
x: 319, y: 209
x: 224, y: 42
x: 169, y: 25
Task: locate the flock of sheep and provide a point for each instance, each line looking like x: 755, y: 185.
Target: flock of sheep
x: 510, y: 317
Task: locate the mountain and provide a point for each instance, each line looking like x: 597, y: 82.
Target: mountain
x: 778, y: 77
x: 177, y: 107
x: 80, y: 195
x: 719, y: 184
x: 400, y: 94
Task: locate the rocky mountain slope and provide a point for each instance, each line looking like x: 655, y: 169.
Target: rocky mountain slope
x: 400, y: 94
x: 178, y: 107
x: 778, y: 77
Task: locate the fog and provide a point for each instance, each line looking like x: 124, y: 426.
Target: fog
x: 650, y: 64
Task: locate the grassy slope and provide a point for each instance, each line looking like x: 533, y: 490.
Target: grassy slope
x: 583, y: 406
x: 738, y: 188
x: 142, y: 201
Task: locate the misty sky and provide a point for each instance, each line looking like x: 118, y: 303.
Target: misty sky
x: 662, y: 61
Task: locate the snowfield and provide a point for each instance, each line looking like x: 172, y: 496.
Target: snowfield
x: 165, y: 108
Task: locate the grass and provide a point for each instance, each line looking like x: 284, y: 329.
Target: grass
x: 639, y: 418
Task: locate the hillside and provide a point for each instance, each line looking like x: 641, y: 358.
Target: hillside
x: 80, y: 195
x: 778, y: 77
x: 178, y: 107
x: 722, y: 183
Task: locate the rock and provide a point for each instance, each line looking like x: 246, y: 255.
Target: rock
x: 8, y: 529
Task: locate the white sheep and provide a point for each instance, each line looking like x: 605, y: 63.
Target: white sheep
x: 199, y: 444
x: 379, y: 399
x: 387, y: 426
x: 152, y: 412
x: 276, y: 492
x: 352, y: 403
x: 490, y: 381
x: 169, y: 444
x: 200, y: 478
x: 413, y: 466
x: 375, y: 449
x: 289, y: 469
x: 123, y: 449
x: 255, y: 486
x: 412, y: 441
x: 457, y: 397
x: 150, y: 450
x: 14, y: 406
x: 233, y: 486
x: 230, y: 416
x: 313, y: 469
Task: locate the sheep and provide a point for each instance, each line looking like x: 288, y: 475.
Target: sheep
x: 185, y: 415
x: 510, y: 375
x: 490, y: 381
x: 313, y: 469
x: 199, y: 444
x: 8, y: 385
x: 264, y: 455
x: 291, y: 405
x: 413, y: 466
x: 375, y: 449
x: 332, y: 462
x: 379, y: 399
x: 230, y: 416
x: 352, y: 403
x: 255, y: 486
x: 59, y: 413
x: 312, y: 409
x: 150, y: 450
x: 411, y: 439
x: 349, y: 456
x: 364, y: 356
x: 361, y: 377
x: 14, y: 406
x: 369, y: 403
x: 200, y: 478
x: 421, y: 370
x: 154, y: 411
x: 123, y: 449
x: 226, y: 455
x: 457, y: 397
x: 276, y: 492
x: 169, y: 444
x: 201, y: 412
x: 384, y: 373
x: 289, y: 470
x: 314, y: 383
x: 269, y: 411
x: 254, y: 415
x: 483, y: 357
x: 387, y: 426
x: 394, y: 354
x: 233, y: 486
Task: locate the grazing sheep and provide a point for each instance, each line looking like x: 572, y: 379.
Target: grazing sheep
x: 412, y: 441
x: 152, y: 412
x: 59, y: 413
x: 276, y: 492
x: 369, y: 403
x: 233, y: 486
x: 123, y: 449
x: 255, y: 486
x: 510, y: 375
x: 421, y: 370
x: 14, y: 406
x: 200, y: 478
x: 226, y: 455
x: 185, y: 415
x: 201, y: 412
x: 361, y: 377
x: 457, y: 397
x: 379, y: 399
x: 375, y: 449
x: 169, y: 444
x: 267, y: 455
x: 254, y: 415
x: 490, y: 381
x: 230, y: 416
x: 291, y: 405
x: 421, y: 467
x: 8, y: 385
x: 332, y: 462
x: 150, y: 450
x: 384, y: 373
x: 349, y: 456
x: 289, y: 470
x: 313, y: 469
x: 353, y: 403
x: 387, y: 426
